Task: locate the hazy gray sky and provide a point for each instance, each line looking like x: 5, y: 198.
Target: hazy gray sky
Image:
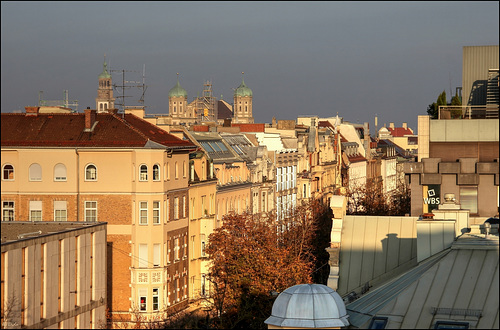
x: 300, y: 58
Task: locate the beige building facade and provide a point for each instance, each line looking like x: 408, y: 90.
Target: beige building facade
x: 105, y: 167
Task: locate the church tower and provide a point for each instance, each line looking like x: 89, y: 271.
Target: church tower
x: 177, y: 101
x: 243, y: 104
x: 104, y: 100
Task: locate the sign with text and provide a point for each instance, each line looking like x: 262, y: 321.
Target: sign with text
x: 431, y: 197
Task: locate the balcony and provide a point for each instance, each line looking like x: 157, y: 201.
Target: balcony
x: 489, y: 111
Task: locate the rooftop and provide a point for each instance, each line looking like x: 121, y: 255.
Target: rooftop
x: 16, y: 230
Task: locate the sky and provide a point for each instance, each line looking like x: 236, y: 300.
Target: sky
x: 357, y: 59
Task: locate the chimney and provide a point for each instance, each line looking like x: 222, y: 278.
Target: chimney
x: 90, y: 116
x: 405, y: 125
x: 391, y: 125
x: 32, y: 111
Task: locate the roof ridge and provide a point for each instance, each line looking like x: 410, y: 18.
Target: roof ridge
x: 131, y: 126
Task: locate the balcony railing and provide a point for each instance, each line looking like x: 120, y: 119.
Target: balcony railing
x: 489, y: 111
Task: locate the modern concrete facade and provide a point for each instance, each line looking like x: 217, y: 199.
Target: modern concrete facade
x: 458, y: 156
x: 53, y: 275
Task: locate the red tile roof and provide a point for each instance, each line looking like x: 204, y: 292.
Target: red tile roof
x: 399, y: 131
x: 68, y: 130
x: 250, y: 127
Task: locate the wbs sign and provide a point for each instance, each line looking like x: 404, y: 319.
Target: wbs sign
x: 431, y: 197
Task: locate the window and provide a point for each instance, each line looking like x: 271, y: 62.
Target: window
x: 451, y: 325
x: 183, y: 206
x: 156, y: 172
x: 143, y: 213
x: 156, y: 300
x: 202, y: 237
x: 176, y: 171
x: 468, y: 199
x: 35, y: 172
x: 143, y: 173
x: 176, y: 208
x: 60, y: 211
x: 156, y: 255
x: 7, y: 211
x: 168, y: 171
x: 60, y: 172
x: 8, y: 172
x: 35, y: 210
x: 378, y: 323
x: 90, y: 211
x: 176, y: 249
x: 184, y: 169
x: 203, y: 283
x: 156, y: 212
x: 142, y: 300
x: 143, y: 256
x: 91, y: 173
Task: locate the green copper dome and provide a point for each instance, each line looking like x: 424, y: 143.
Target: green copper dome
x: 177, y: 91
x: 104, y: 74
x: 243, y: 90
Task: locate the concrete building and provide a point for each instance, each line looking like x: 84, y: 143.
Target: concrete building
x: 115, y: 167
x: 459, y: 154
x: 53, y: 275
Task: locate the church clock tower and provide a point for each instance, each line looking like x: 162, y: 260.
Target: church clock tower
x: 105, y: 100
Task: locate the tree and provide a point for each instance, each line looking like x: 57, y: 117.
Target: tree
x: 253, y: 257
x: 433, y: 109
x: 370, y: 199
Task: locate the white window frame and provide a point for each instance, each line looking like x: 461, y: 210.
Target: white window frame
x: 10, y: 172
x: 60, y: 169
x: 177, y: 248
x: 176, y: 208
x: 202, y: 245
x: 143, y: 256
x: 36, y: 211
x: 60, y: 211
x: 143, y: 175
x: 89, y: 176
x: 32, y: 171
x: 156, y: 213
x: 143, y: 213
x: 176, y: 171
x: 156, y: 294
x: 156, y: 255
x: 89, y: 207
x: 10, y: 214
x: 184, y: 206
x: 143, y: 307
x: 156, y: 172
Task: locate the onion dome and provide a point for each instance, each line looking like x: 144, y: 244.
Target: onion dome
x: 242, y: 90
x: 308, y: 306
x: 177, y: 90
x: 104, y: 74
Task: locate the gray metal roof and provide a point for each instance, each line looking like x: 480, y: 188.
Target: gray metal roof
x: 459, y: 281
x: 308, y: 306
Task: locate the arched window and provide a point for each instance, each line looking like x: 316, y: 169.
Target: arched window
x: 35, y: 172
x: 105, y: 106
x: 60, y: 172
x: 100, y: 106
x: 91, y: 173
x: 143, y: 173
x: 246, y: 108
x: 156, y: 172
x: 8, y: 172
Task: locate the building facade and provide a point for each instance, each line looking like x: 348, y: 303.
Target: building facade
x: 106, y: 166
x: 53, y: 275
